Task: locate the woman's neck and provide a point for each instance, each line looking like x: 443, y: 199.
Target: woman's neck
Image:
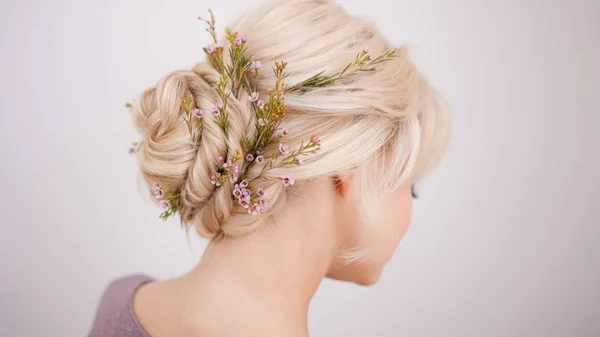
x: 269, y: 276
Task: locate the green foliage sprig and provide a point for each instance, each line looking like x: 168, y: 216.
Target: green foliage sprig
x: 364, y: 62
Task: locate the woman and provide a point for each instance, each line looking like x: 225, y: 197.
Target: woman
x: 295, y: 174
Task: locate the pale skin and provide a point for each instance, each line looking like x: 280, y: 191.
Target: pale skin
x: 261, y: 284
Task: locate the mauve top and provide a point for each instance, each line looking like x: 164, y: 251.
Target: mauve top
x: 115, y: 317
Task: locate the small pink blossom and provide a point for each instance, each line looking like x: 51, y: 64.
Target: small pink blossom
x: 260, y: 103
x: 288, y: 181
x: 233, y: 179
x: 260, y: 159
x: 220, y: 158
x: 159, y: 194
x: 236, y: 169
x: 165, y: 204
x: 244, y: 183
x: 237, y: 193
x: 255, y: 65
x: 275, y: 135
x: 285, y: 131
x: 244, y: 37
x: 283, y: 149
x: 261, y: 122
x: 300, y: 161
x: 244, y: 203
x: 253, y: 97
x: 262, y: 202
x: 368, y: 52
x: 260, y: 192
x: 225, y: 165
x: 156, y: 187
x: 249, y: 157
x: 315, y: 140
x: 213, y: 47
x: 215, y: 179
x: 217, y: 109
x: 255, y: 210
x: 259, y: 151
x: 246, y: 192
x: 198, y: 113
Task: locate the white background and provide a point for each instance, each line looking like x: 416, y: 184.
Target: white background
x: 505, y: 238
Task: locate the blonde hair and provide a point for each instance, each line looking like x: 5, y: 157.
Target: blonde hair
x: 389, y: 125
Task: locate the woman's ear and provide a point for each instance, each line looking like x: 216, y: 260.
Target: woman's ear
x: 342, y: 182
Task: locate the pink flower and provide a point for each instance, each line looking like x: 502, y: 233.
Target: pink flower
x: 244, y: 203
x: 255, y: 210
x: 259, y: 151
x: 255, y: 65
x: 260, y: 192
x: 215, y: 179
x: 300, y: 161
x: 246, y: 193
x: 225, y: 165
x: 156, y: 187
x: 261, y: 122
x: 283, y: 149
x: 369, y: 52
x: 244, y: 183
x: 237, y: 193
x: 217, y: 109
x: 275, y: 135
x: 249, y: 157
x: 244, y: 37
x: 238, y: 41
x: 198, y: 113
x: 285, y: 131
x: 213, y: 47
x: 236, y: 169
x: 220, y: 158
x: 165, y: 204
x: 253, y: 97
x: 315, y: 140
x: 159, y: 194
x: 288, y: 181
x: 233, y: 179
x: 262, y: 202
x: 260, y: 103
x: 260, y: 159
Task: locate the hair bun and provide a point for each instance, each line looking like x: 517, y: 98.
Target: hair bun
x: 167, y: 156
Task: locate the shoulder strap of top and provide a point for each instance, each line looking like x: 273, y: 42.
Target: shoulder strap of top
x: 115, y: 316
